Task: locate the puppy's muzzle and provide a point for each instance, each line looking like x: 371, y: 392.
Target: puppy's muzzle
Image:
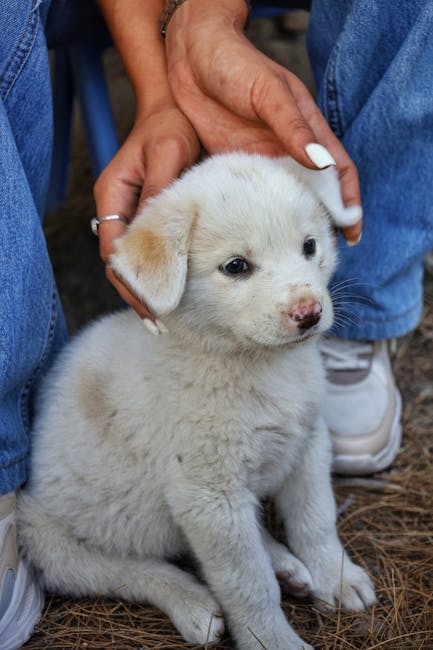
x: 306, y: 313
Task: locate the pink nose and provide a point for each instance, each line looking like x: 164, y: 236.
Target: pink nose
x: 306, y: 313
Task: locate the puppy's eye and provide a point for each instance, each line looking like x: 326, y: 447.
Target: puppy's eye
x: 309, y: 247
x: 235, y: 266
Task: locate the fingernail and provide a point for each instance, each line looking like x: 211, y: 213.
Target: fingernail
x: 319, y: 155
x: 353, y: 242
x: 162, y: 328
x: 151, y: 327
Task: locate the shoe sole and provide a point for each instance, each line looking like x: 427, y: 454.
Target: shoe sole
x: 24, y: 611
x: 369, y: 464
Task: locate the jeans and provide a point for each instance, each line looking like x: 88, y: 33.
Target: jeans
x: 372, y: 63
x: 32, y: 325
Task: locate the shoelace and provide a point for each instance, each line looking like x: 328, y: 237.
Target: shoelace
x: 338, y: 354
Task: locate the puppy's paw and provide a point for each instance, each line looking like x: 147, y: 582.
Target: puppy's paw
x: 279, y: 636
x: 199, y: 618
x: 289, y: 570
x: 350, y: 588
x: 292, y: 642
x: 296, y: 578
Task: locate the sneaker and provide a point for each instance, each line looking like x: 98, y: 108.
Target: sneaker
x: 362, y: 407
x: 21, y: 599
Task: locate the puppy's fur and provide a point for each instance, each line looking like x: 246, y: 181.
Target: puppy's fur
x: 147, y: 447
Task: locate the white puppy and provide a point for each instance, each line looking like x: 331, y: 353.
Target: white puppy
x: 146, y: 447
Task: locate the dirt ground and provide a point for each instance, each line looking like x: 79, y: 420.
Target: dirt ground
x: 385, y: 521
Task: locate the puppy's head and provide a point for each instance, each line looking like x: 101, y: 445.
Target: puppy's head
x: 238, y: 249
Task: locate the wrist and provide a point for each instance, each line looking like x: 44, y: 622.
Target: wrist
x: 152, y: 100
x: 196, y: 13
x: 136, y: 36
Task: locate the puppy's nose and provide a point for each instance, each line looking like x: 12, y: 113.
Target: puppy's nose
x: 306, y: 313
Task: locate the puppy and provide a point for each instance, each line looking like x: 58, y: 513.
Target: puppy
x: 148, y: 447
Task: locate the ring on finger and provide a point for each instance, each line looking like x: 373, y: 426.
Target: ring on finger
x: 96, y: 221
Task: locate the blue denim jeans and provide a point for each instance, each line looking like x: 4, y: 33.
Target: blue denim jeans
x: 372, y: 62
x: 32, y: 326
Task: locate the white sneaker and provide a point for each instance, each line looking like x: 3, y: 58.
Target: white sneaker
x: 21, y: 599
x: 363, y: 405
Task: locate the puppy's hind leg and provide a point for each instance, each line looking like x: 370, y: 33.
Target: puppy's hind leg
x: 68, y: 566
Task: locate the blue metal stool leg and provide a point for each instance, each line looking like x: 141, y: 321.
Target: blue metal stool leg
x: 97, y: 115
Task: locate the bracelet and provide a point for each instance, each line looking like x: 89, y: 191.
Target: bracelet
x: 170, y: 8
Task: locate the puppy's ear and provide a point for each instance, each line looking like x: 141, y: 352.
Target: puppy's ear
x: 325, y: 186
x: 152, y: 256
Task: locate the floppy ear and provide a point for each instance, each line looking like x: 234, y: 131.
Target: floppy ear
x: 325, y: 185
x: 152, y: 256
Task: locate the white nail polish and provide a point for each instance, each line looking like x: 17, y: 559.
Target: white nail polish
x: 162, y: 328
x: 151, y: 327
x: 319, y: 155
x: 353, y: 242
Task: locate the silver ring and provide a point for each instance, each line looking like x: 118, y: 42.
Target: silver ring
x: 96, y: 221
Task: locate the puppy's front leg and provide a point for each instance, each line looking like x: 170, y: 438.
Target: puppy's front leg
x: 287, y: 567
x: 222, y: 529
x: 307, y: 505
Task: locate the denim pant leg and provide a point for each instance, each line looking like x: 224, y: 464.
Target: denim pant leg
x: 31, y: 320
x: 374, y: 72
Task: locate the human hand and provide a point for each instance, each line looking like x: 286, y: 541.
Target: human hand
x: 161, y: 144
x: 237, y: 98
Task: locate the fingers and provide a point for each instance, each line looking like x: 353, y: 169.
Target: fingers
x: 164, y: 163
x: 131, y: 299
x: 115, y: 192
x: 268, y: 108
x: 108, y: 232
x: 350, y: 220
x: 115, y: 195
x: 348, y: 174
x: 275, y: 105
x: 350, y: 193
x: 156, y: 151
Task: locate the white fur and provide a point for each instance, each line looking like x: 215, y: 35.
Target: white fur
x: 146, y: 447
x: 325, y: 185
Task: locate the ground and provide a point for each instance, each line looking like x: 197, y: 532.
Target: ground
x: 385, y: 521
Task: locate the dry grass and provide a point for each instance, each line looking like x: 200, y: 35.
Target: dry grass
x: 385, y: 521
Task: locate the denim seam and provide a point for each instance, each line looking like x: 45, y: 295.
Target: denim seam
x: 26, y: 390
x: 16, y: 461
x: 19, y: 56
x: 330, y: 100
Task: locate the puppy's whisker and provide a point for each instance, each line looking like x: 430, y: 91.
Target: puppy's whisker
x: 351, y: 282
x: 344, y: 320
x: 344, y: 283
x: 350, y: 300
x: 343, y: 314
